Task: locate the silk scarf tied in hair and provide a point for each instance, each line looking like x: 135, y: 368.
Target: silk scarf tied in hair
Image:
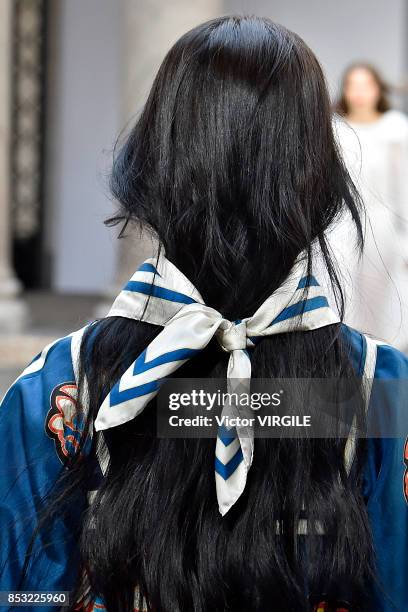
x: 160, y: 294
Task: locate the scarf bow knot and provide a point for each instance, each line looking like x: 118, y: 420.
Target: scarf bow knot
x: 232, y: 336
x: 160, y: 294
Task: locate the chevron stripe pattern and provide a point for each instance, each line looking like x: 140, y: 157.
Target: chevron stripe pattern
x: 160, y: 294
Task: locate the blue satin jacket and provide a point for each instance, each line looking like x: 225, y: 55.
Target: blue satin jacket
x: 39, y: 428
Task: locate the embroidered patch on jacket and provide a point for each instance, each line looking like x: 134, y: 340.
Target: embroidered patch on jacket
x: 406, y: 469
x: 62, y: 422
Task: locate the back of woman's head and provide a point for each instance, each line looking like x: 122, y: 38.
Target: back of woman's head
x: 233, y: 166
x: 232, y: 163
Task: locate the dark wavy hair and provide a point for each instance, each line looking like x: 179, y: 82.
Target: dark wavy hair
x: 383, y: 104
x: 233, y: 167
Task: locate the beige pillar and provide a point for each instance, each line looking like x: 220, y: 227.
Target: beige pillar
x: 13, y: 313
x: 149, y: 27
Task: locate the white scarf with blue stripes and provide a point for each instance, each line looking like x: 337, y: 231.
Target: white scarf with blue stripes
x: 160, y: 294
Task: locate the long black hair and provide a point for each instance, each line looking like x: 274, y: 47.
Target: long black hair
x: 233, y: 168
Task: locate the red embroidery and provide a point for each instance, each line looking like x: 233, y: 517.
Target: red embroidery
x: 62, y: 420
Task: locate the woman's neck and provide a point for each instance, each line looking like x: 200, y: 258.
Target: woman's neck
x: 363, y: 116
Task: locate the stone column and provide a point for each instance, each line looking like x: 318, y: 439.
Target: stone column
x: 13, y: 312
x: 149, y: 28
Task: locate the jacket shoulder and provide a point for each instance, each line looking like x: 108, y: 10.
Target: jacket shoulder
x: 42, y: 401
x: 386, y: 360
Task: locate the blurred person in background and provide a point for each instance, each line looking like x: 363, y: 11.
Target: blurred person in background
x: 374, y: 141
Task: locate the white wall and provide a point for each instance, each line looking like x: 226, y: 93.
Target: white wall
x: 341, y: 32
x: 83, y: 122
